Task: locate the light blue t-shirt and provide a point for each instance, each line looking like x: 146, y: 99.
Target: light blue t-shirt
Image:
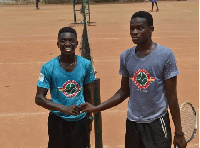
x: 66, y: 88
x: 147, y: 76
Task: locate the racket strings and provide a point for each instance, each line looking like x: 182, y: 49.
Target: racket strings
x: 187, y: 121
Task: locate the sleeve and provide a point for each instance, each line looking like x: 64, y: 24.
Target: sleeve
x: 89, y: 76
x: 123, y: 70
x: 170, y: 67
x: 44, y: 80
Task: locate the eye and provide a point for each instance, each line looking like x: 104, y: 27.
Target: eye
x: 72, y: 40
x: 131, y: 28
x: 62, y: 41
x: 140, y: 28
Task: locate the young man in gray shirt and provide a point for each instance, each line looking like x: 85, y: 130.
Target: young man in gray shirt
x: 149, y: 79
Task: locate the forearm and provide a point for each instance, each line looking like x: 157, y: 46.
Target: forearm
x: 116, y: 99
x: 48, y: 104
x: 88, y: 97
x: 171, y: 92
x: 175, y: 113
x: 41, y: 100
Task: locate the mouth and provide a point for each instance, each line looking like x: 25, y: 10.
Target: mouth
x: 135, y: 37
x: 68, y: 49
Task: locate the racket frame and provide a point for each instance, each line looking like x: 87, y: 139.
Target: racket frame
x: 193, y: 109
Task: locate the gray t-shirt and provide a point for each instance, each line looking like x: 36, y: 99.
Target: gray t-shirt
x: 148, y: 100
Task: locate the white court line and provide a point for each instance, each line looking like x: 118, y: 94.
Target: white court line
x: 27, y: 63
x: 180, y: 9
x: 44, y: 113
x: 187, y: 10
x: 98, y: 39
x: 23, y: 63
x: 93, y: 38
x: 57, y: 11
x: 22, y: 114
x: 9, y: 41
x: 27, y: 41
x: 117, y: 60
x: 90, y: 34
x: 115, y: 111
x: 60, y: 17
x: 191, y: 145
x: 102, y: 60
x: 27, y: 35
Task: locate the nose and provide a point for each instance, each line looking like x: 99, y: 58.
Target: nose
x: 134, y: 31
x: 67, y: 42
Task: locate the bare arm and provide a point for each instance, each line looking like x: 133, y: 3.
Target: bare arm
x: 41, y: 100
x: 116, y: 99
x: 87, y: 92
x: 171, y: 90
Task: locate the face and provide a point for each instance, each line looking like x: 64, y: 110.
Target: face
x: 67, y: 42
x: 139, y: 30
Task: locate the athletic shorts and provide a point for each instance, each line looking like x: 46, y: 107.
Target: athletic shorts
x: 67, y: 134
x: 153, y: 0
x: 149, y: 135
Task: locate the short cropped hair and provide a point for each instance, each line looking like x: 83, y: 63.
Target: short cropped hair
x: 67, y: 29
x: 144, y: 14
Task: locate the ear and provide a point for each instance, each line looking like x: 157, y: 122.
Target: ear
x: 58, y: 45
x: 76, y: 44
x: 151, y: 29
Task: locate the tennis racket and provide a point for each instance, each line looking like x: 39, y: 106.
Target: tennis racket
x: 188, y: 120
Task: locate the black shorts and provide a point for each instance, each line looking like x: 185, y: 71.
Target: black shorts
x: 67, y: 134
x: 149, y: 135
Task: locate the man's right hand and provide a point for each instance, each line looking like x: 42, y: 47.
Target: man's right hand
x: 72, y: 110
x: 87, y: 107
x: 179, y: 141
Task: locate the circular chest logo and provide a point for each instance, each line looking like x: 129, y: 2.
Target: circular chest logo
x: 142, y: 79
x: 70, y: 88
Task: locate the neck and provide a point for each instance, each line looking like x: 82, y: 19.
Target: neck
x: 68, y: 63
x: 145, y: 47
x: 67, y: 58
x: 144, y: 50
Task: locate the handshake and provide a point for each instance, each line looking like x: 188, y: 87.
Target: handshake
x: 76, y: 110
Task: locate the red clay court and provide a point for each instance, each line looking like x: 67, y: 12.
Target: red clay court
x: 28, y: 40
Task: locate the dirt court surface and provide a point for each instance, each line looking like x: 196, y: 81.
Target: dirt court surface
x: 28, y: 40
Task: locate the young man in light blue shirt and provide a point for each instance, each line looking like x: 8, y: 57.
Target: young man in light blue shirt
x: 68, y: 77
